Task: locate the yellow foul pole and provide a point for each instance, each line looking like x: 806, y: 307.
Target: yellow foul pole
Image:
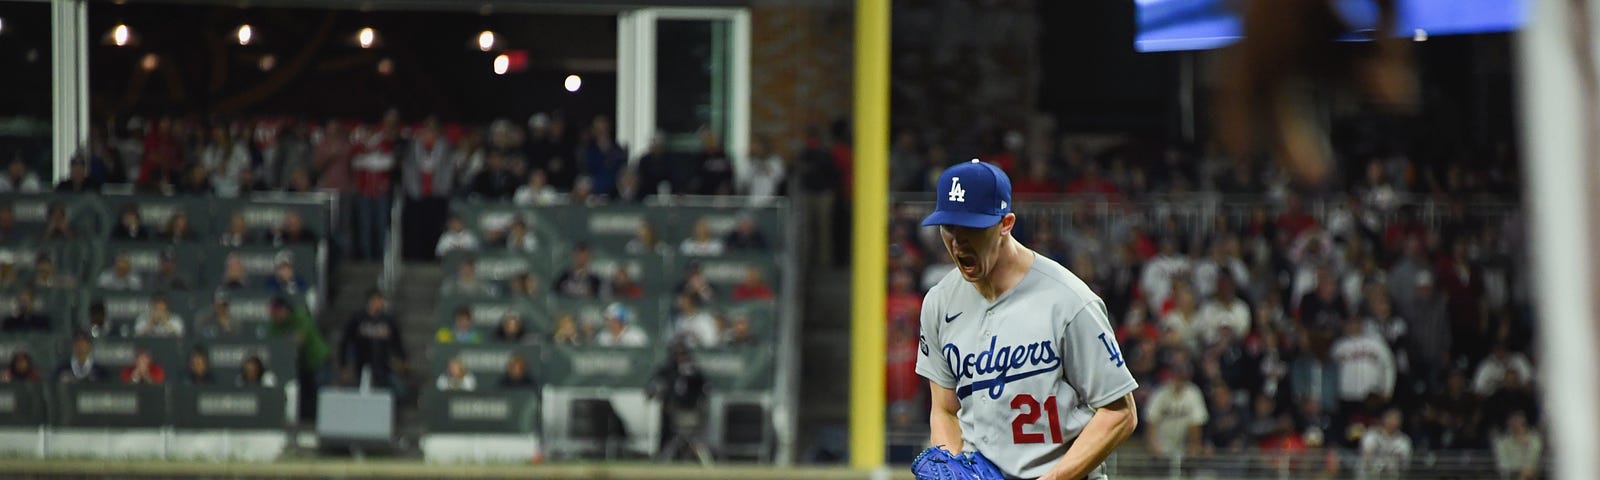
x: 870, y: 246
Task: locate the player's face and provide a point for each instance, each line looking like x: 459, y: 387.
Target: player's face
x: 972, y: 249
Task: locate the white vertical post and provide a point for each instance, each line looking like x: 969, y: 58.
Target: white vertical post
x: 1557, y: 61
x: 69, y: 61
x: 643, y: 66
x: 625, y: 60
x: 739, y: 93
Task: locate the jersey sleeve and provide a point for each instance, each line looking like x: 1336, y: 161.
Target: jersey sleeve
x: 1093, y: 362
x: 930, y: 351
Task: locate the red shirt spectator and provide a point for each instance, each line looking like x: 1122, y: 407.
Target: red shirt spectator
x: 144, y: 370
x: 1091, y: 183
x: 753, y: 287
x: 1294, y: 220
x: 902, y: 382
x: 1037, y: 182
x: 844, y: 161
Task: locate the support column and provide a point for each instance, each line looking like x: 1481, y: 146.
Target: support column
x: 69, y: 61
x: 870, y: 247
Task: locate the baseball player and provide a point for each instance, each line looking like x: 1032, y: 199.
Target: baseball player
x: 1027, y: 378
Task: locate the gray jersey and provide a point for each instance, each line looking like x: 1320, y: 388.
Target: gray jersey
x: 1029, y: 368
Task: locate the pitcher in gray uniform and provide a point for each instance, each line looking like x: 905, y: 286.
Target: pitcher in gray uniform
x: 1019, y: 353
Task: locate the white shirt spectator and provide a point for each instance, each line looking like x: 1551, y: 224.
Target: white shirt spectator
x: 29, y: 184
x: 466, y: 383
x: 764, y: 180
x: 1206, y: 271
x: 1492, y: 371
x: 450, y: 242
x: 1383, y: 452
x: 1216, y: 314
x: 529, y: 244
x: 1366, y: 366
x: 628, y: 337
x: 1185, y: 327
x: 1173, y: 410
x: 146, y: 326
x: 109, y: 280
x: 528, y: 196
x: 1156, y: 280
x: 699, y: 329
x: 711, y: 247
x: 1514, y: 454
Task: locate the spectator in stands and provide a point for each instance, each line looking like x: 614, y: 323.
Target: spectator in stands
x: 1518, y: 450
x: 8, y: 272
x: 177, y: 229
x: 460, y: 329
x: 311, y: 349
x: 196, y: 181
x: 524, y: 285
x: 78, y: 179
x: 657, y: 168
x: 644, y: 242
x: 167, y: 276
x: 629, y: 192
x: 745, y: 236
x: 536, y: 192
x: 253, y: 373
x: 96, y: 326
x: 121, y: 275
x: 701, y: 243
x: 681, y: 387
x: 456, y: 378
x: 224, y: 156
x: 622, y: 285
x: 1224, y: 309
x: 144, y: 370
x: 429, y: 164
x: 516, y: 376
x: 714, y: 170
x: 619, y: 331
x: 285, y: 280
x: 199, y: 372
x: 753, y: 287
x: 510, y: 329
x: 1513, y: 395
x: 233, y: 273
x: 80, y: 367
x: 372, y: 339
x: 738, y: 332
x: 466, y: 283
x: 1499, y: 365
x: 158, y: 321
x: 129, y: 226
x: 600, y: 157
x: 218, y: 323
x: 496, y: 181
x: 20, y: 370
x: 1177, y: 411
x: 1430, y: 328
x: 1227, y: 430
x: 1160, y: 272
x: 765, y: 169
x: 1366, y: 366
x: 45, y: 276
x: 695, y: 284
x: 238, y: 233
x: 57, y: 226
x: 1224, y: 259
x: 576, y: 281
x: 1386, y: 451
x: 8, y: 223
x: 693, y: 326
x: 299, y: 182
x: 292, y: 231
x: 1323, y: 310
x: 372, y: 164
x: 583, y: 194
x: 24, y: 318
x: 18, y: 179
x: 567, y: 332
x: 456, y: 238
x: 518, y: 239
x: 1181, y: 326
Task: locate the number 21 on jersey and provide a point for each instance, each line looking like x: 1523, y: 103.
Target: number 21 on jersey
x: 1031, y: 411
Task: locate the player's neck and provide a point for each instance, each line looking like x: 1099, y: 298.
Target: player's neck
x: 1014, y: 262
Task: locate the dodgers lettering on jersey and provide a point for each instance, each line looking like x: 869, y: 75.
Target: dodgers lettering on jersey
x: 1029, y: 368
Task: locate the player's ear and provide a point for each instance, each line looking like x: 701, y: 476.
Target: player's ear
x: 1007, y: 223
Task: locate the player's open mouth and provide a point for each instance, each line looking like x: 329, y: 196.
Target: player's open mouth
x: 968, y: 263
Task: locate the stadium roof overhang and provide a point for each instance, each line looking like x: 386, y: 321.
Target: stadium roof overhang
x: 537, y: 6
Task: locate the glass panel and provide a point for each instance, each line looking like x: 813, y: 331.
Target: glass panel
x: 25, y: 76
x: 692, y: 80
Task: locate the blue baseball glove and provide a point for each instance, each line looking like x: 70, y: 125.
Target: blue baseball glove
x: 936, y: 463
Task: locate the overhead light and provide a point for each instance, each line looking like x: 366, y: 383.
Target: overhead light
x: 150, y: 62
x: 573, y: 83
x: 1420, y: 35
x: 385, y: 66
x: 486, y: 40
x: 366, y: 37
x: 120, y: 35
x: 2, y: 25
x: 502, y: 63
x: 245, y: 32
x: 267, y: 62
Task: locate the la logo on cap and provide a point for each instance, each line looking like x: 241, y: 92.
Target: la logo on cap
x: 957, y: 194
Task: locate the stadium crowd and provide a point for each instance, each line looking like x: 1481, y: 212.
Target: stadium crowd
x: 1386, y: 318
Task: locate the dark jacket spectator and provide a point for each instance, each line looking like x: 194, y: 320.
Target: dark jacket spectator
x: 578, y: 281
x: 517, y: 377
x: 745, y: 236
x: 372, y: 339
x: 78, y: 180
x: 21, y: 369
x: 25, y: 318
x: 80, y: 367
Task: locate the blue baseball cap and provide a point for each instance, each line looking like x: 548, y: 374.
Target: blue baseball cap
x: 972, y: 194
